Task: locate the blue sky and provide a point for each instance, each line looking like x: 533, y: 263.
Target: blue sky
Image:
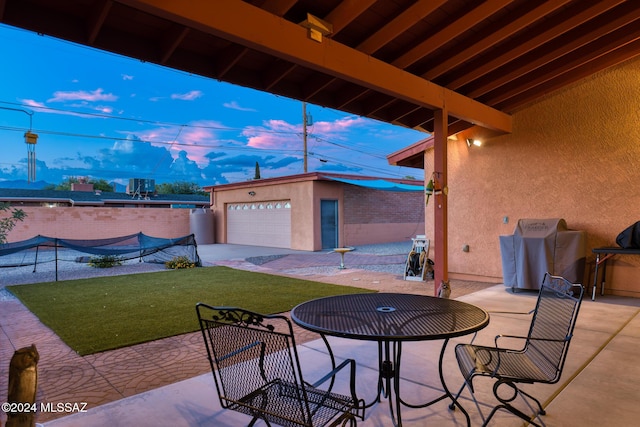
x: 109, y: 117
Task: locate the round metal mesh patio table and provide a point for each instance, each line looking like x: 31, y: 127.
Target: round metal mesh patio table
x: 390, y: 319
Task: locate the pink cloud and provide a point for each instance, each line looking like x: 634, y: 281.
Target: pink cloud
x: 278, y: 134
x: 342, y: 125
x: 233, y: 105
x: 275, y: 134
x: 33, y: 103
x: 42, y: 108
x: 195, y: 139
x: 82, y: 95
x: 189, y: 96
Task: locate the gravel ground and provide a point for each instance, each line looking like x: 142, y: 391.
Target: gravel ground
x: 394, y: 248
x: 68, y: 270
x: 46, y: 272
x: 381, y: 249
x: 397, y: 269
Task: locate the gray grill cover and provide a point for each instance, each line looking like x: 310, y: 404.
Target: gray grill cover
x: 538, y: 246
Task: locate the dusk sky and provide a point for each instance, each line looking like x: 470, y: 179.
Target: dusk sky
x: 104, y: 116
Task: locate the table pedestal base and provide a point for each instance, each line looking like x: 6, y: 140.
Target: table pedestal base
x: 389, y: 356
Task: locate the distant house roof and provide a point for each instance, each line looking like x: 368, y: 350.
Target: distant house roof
x: 389, y: 184
x: 382, y: 184
x: 98, y: 198
x: 413, y: 155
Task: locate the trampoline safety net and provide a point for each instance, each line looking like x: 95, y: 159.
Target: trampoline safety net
x: 43, y: 249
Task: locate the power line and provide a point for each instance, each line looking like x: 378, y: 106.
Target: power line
x: 138, y: 120
x: 175, y: 141
x: 157, y: 142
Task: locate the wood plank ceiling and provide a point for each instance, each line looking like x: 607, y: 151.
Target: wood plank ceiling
x: 391, y: 60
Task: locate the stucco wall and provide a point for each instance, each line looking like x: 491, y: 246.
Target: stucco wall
x: 100, y: 223
x: 365, y: 216
x: 574, y: 155
x: 302, y: 216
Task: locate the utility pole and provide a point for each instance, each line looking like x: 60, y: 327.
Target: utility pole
x: 304, y: 135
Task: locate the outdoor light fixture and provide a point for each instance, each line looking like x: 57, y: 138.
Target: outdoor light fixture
x: 252, y: 193
x: 317, y: 28
x: 475, y: 142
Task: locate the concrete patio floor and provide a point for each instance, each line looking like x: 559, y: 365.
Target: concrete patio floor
x: 167, y: 382
x: 599, y: 386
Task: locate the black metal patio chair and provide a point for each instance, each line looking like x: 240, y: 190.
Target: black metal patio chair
x: 540, y: 360
x: 257, y: 371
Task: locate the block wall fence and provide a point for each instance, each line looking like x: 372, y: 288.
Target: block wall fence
x: 100, y: 223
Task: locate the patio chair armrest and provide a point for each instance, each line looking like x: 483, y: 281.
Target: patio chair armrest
x: 520, y: 337
x: 567, y: 338
x: 352, y: 380
x: 523, y: 313
x: 335, y: 370
x: 529, y: 338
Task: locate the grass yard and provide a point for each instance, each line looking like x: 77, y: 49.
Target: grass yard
x: 98, y: 314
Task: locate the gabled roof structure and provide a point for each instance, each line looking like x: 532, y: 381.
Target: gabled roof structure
x: 395, y: 61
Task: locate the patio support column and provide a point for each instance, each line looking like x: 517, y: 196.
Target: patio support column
x: 441, y: 267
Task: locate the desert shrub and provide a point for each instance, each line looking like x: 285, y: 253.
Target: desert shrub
x: 179, y: 262
x: 105, y: 261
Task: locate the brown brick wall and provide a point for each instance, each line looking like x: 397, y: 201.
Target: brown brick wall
x: 366, y: 206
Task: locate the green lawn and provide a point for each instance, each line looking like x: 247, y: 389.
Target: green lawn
x: 98, y: 314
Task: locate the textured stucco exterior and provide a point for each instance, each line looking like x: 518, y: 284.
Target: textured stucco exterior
x: 301, y: 197
x: 100, y: 223
x: 573, y: 155
x: 365, y: 216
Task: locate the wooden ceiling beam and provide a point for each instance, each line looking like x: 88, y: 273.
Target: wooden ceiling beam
x: 96, y: 21
x: 539, y: 12
x: 255, y: 28
x: 398, y: 25
x: 275, y: 73
x: 562, y: 26
x: 610, y: 59
x: 228, y: 58
x: 278, y: 7
x: 346, y: 12
x: 171, y: 42
x: 451, y: 31
x: 399, y: 113
x: 419, y: 119
x: 373, y: 107
x: 350, y: 96
x: 566, y: 65
x: 313, y: 87
x: 596, y: 33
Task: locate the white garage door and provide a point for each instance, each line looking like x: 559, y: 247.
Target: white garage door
x: 260, y: 223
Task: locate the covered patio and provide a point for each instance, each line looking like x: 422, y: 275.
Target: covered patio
x: 598, y: 387
x: 551, y: 88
